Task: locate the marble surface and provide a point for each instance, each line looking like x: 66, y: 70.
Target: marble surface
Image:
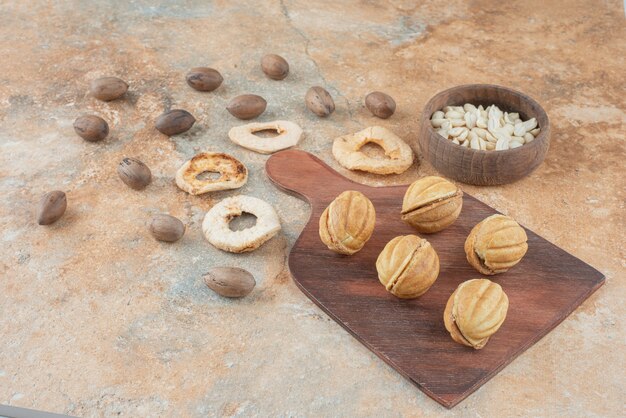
x: 99, y: 319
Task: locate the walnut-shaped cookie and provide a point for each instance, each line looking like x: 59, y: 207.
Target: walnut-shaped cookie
x: 408, y: 266
x: 475, y: 311
x: 347, y: 223
x: 431, y: 204
x: 496, y: 244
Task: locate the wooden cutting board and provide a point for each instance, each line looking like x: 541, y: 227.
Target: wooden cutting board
x: 545, y: 287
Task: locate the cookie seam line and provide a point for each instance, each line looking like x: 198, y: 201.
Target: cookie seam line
x: 392, y: 283
x: 430, y: 203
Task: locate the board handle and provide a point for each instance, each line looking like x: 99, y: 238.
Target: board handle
x: 298, y: 172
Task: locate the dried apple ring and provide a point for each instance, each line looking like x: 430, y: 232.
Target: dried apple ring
x: 217, y: 232
x: 347, y: 151
x: 233, y: 174
x: 288, y: 136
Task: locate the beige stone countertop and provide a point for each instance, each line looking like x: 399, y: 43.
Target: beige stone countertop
x: 99, y: 319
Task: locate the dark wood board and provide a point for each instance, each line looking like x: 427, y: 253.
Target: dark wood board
x: 543, y: 289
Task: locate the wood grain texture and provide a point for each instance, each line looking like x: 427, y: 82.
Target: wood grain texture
x: 545, y: 287
x: 477, y: 167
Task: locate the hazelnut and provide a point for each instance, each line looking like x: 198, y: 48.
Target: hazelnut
x: 230, y: 282
x: 475, y: 311
x: 246, y: 106
x: 431, y: 204
x: 134, y: 173
x: 174, y: 122
x: 51, y: 207
x: 274, y: 66
x: 167, y: 228
x: 108, y: 88
x: 319, y: 101
x: 347, y: 223
x: 91, y: 128
x: 495, y: 244
x: 407, y: 266
x: 204, y: 78
x: 380, y: 104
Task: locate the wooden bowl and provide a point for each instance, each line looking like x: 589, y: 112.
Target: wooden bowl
x: 484, y: 168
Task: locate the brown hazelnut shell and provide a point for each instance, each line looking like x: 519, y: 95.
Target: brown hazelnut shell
x: 204, y: 78
x: 91, y: 128
x: 51, y: 207
x: 380, y: 104
x: 230, y: 282
x: 134, y: 173
x: 319, y: 101
x: 246, y: 106
x: 275, y: 66
x: 167, y: 228
x: 174, y: 122
x: 108, y: 88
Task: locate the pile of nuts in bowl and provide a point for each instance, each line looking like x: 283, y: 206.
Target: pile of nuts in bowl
x: 487, y: 129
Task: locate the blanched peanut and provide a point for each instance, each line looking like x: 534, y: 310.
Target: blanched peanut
x: 483, y: 128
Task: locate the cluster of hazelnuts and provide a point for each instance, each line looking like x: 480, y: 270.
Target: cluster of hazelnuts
x: 246, y: 106
x: 229, y: 282
x: 137, y: 175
